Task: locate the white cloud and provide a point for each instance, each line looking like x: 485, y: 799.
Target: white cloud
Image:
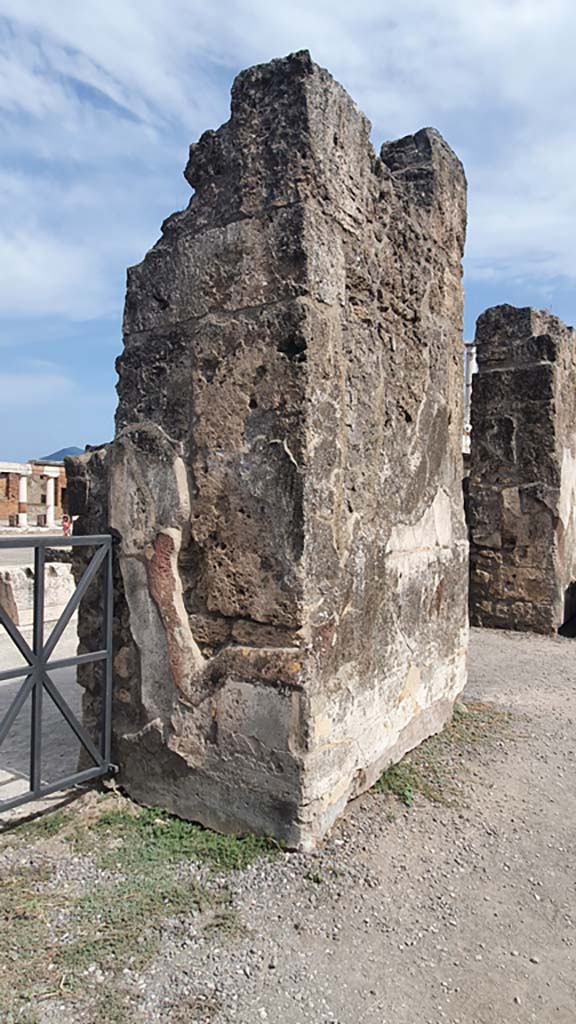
x: 46, y: 276
x: 101, y: 100
x: 33, y: 389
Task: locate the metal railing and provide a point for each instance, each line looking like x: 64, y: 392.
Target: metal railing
x: 36, y: 672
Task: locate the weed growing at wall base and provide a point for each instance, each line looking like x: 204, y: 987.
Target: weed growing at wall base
x: 429, y: 770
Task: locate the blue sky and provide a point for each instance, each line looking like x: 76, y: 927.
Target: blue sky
x: 100, y: 100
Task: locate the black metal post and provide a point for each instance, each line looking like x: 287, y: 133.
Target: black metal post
x: 37, y: 692
x: 108, y: 624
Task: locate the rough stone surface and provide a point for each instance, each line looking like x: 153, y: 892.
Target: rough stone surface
x: 522, y: 487
x: 286, y: 472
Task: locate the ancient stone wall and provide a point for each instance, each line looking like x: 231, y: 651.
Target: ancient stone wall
x: 37, y: 492
x: 522, y: 488
x: 286, y: 472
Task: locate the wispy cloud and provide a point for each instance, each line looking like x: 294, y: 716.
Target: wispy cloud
x: 35, y: 387
x: 99, y: 102
x: 44, y: 275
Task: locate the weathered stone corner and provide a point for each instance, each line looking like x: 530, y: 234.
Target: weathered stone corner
x: 286, y: 472
x: 522, y: 488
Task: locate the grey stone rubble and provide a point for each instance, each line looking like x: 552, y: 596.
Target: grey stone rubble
x: 522, y: 486
x: 285, y: 478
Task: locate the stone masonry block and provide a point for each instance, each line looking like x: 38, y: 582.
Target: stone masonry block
x: 522, y: 487
x: 285, y: 479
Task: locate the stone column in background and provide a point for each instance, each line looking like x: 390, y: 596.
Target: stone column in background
x: 522, y: 487
x: 23, y: 499
x: 286, y: 473
x: 50, y: 498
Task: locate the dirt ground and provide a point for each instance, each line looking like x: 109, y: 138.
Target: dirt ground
x: 451, y: 902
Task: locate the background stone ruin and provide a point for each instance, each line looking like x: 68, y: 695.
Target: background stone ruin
x: 286, y: 473
x: 522, y: 487
x: 17, y: 591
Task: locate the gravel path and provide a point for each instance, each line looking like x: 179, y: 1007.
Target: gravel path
x: 434, y: 914
x: 461, y: 915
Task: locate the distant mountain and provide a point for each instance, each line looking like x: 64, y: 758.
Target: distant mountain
x: 59, y: 455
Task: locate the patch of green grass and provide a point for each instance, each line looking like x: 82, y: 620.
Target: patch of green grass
x: 48, y: 939
x: 149, y: 837
x: 430, y: 769
x: 44, y: 827
x: 115, y: 924
x: 472, y: 725
x: 113, y: 1007
x: 401, y: 780
x: 109, y: 1006
x: 24, y: 914
x: 53, y: 941
x: 315, y: 877
x: 225, y: 922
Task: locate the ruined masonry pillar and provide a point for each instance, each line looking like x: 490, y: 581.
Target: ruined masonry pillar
x: 286, y: 474
x: 522, y: 487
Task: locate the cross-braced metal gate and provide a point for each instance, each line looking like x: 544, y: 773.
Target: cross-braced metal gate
x: 37, y: 682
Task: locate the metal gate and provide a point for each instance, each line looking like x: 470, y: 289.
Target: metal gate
x: 37, y: 682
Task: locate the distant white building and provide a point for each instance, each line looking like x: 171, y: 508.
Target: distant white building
x: 32, y: 493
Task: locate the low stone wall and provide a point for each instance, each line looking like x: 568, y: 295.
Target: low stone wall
x: 17, y: 592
